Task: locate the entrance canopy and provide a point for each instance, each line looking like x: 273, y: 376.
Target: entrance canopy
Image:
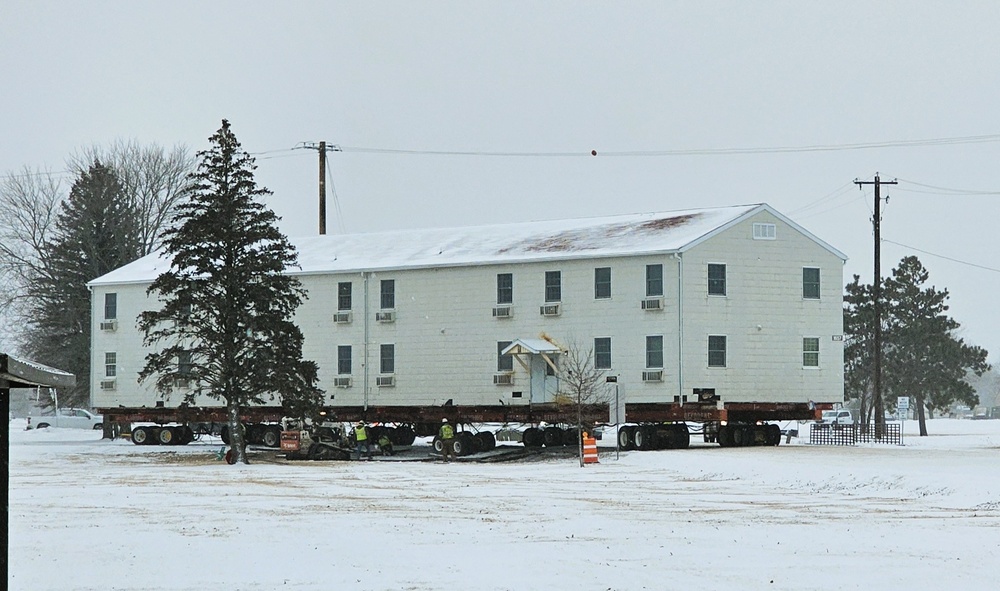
x: 18, y: 373
x: 531, y: 347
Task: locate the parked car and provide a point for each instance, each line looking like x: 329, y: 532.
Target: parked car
x: 73, y: 418
x: 837, y: 417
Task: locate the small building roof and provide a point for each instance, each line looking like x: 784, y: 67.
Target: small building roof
x: 20, y: 373
x: 532, y: 346
x: 644, y: 233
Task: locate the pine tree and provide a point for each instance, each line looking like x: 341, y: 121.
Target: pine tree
x: 926, y: 360
x: 95, y: 233
x: 227, y: 302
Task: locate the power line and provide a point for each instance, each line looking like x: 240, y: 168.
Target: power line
x: 943, y: 190
x: 941, y: 256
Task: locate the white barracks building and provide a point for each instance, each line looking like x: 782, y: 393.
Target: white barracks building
x: 739, y: 304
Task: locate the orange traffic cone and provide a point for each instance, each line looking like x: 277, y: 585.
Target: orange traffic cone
x: 589, y: 449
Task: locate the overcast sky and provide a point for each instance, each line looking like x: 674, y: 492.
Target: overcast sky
x: 657, y: 78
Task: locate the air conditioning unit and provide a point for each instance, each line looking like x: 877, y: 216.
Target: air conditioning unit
x: 503, y: 312
x: 107, y: 384
x: 652, y: 376
x: 385, y: 316
x: 182, y: 383
x: 385, y: 381
x: 344, y: 382
x: 342, y: 317
x: 109, y: 325
x: 652, y: 304
x: 550, y: 310
x: 503, y: 379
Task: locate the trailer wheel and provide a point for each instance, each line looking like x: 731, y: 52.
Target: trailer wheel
x: 684, y: 436
x: 165, y: 436
x: 463, y: 444
x: 404, y: 436
x: 438, y: 445
x: 725, y: 436
x: 552, y: 436
x: 641, y: 438
x: 272, y: 436
x: 532, y: 437
x: 140, y: 436
x: 225, y: 434
x: 626, y: 438
x: 488, y: 440
x: 774, y: 433
x: 187, y: 435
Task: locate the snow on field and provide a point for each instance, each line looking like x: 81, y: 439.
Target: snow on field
x: 93, y: 514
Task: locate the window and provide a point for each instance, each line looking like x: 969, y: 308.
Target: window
x: 764, y: 232
x: 716, y: 279
x: 716, y: 351
x: 344, y: 360
x: 810, y: 283
x: 110, y: 306
x: 654, y: 351
x: 388, y: 294
x: 110, y: 364
x: 602, y: 283
x: 602, y: 353
x: 185, y: 366
x: 810, y: 352
x: 549, y: 370
x: 387, y: 358
x: 504, y: 362
x: 654, y: 280
x: 505, y: 288
x: 344, y: 295
x: 553, y: 286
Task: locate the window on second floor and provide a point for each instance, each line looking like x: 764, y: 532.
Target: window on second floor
x: 602, y: 283
x: 387, y: 293
x: 185, y: 365
x: 344, y: 295
x: 110, y: 364
x: 505, y: 288
x: 387, y: 358
x: 654, y: 351
x: 810, y: 283
x: 716, y: 351
x: 602, y: 353
x: 110, y: 306
x: 344, y: 360
x: 716, y: 279
x: 654, y: 280
x: 553, y: 286
x: 504, y: 362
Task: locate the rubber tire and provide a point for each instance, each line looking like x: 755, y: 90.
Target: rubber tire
x: 404, y: 436
x: 725, y: 436
x: 683, y: 436
x: 552, y: 436
x: 438, y: 445
x: 487, y: 440
x: 166, y: 436
x: 272, y: 436
x: 532, y: 437
x: 187, y: 435
x: 774, y: 433
x: 140, y: 436
x: 460, y: 446
x: 224, y: 433
x: 640, y: 439
x: 626, y: 437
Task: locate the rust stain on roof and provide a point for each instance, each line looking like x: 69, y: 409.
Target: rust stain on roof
x: 596, y: 237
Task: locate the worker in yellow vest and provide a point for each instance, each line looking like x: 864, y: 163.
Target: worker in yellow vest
x: 361, y: 439
x: 447, y: 436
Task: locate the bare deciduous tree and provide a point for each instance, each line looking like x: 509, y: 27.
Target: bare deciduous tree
x: 582, y: 384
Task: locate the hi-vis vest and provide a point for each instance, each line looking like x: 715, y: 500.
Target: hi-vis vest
x: 361, y: 433
x: 447, y: 432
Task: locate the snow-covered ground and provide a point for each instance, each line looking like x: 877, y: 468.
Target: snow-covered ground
x: 93, y: 514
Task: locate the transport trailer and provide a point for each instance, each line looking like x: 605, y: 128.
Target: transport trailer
x: 263, y: 424
x: 733, y: 424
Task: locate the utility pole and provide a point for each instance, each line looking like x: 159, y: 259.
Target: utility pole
x: 877, y: 402
x: 322, y: 148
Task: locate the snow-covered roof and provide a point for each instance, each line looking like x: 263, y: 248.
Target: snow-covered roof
x: 630, y: 234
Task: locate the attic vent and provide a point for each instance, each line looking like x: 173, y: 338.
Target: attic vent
x: 764, y: 232
x: 652, y: 376
x: 551, y: 310
x: 109, y: 325
x: 385, y: 381
x: 503, y: 312
x: 652, y: 304
x: 107, y: 384
x: 385, y: 316
x: 342, y: 317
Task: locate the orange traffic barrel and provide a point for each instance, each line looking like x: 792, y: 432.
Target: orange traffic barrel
x: 589, y: 449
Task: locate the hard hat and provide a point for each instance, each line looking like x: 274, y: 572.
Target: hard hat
x: 444, y: 420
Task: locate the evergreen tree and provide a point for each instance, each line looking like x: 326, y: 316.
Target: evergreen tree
x: 227, y: 302
x: 95, y: 233
x: 922, y: 356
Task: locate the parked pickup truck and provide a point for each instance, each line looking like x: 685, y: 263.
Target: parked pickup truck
x: 837, y: 417
x: 74, y: 418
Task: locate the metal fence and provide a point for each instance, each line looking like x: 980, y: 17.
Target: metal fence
x: 825, y: 434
